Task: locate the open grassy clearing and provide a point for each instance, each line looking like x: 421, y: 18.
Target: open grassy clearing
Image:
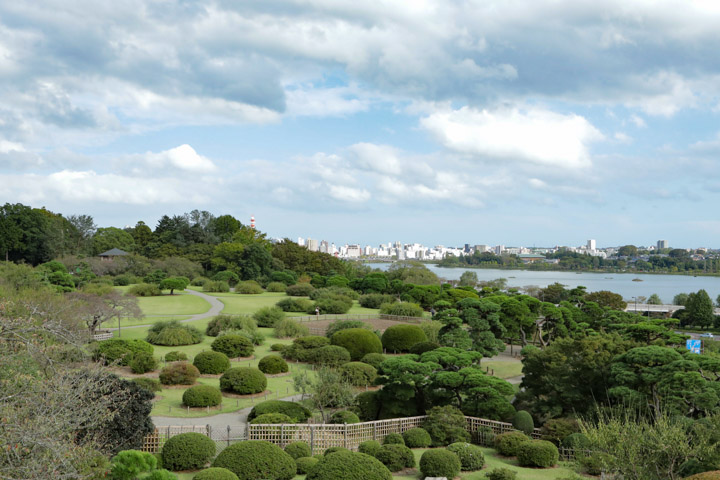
x: 177, y: 304
x: 503, y: 368
x: 130, y: 322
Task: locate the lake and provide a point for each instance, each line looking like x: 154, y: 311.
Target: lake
x: 666, y: 286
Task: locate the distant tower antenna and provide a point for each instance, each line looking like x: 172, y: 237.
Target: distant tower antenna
x: 252, y: 222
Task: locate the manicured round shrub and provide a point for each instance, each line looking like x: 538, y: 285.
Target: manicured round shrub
x: 149, y: 384
x: 332, y: 306
x: 202, y: 396
x: 396, y: 457
x: 142, y: 363
x: 215, y: 473
x: 422, y: 347
x: 275, y: 287
x: 298, y: 449
x: 295, y: 304
x: 374, y: 300
x: 268, y: 316
x: 299, y: 290
x: 272, y: 365
x: 358, y: 374
x: 144, y: 290
x: 211, y: 363
x: 523, y: 421
x: 271, y: 418
x: 248, y: 287
x: 120, y: 350
x: 576, y: 440
x: 401, y: 338
x: 330, y: 450
x: 393, y: 439
x: 231, y: 278
x: 311, y: 341
x: 369, y: 447
x: 417, y: 438
x: 344, y: 416
x: 233, y: 345
x: 278, y: 347
x: 358, y: 341
x: 330, y: 355
x: 254, y: 459
x: 175, y: 356
x: 439, y: 462
x: 179, y: 373
x: 446, y: 425
x: 221, y: 323
x: 292, y: 409
x: 243, y: 381
x: 508, y: 443
x: 402, y: 309
x: 187, y: 451
x: 374, y: 359
x: 538, y: 453
x: 216, y: 286
x: 501, y: 474
x: 338, y: 325
x: 349, y: 466
x: 305, y: 464
x: 173, y: 333
x: 471, y: 456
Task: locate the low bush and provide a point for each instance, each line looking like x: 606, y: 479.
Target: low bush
x: 187, y: 451
x: 431, y: 329
x: 501, y: 474
x: 330, y: 450
x: 331, y: 306
x: 508, y: 443
x: 401, y: 338
x: 255, y: 459
x: 349, y: 466
x: 298, y: 450
x: 294, y: 304
x: 223, y: 323
x: 558, y: 428
x: 215, y: 473
x: 374, y: 300
x: 199, y: 281
x: 523, y: 421
x: 233, y: 345
x: 576, y: 440
x: 248, y: 287
x: 292, y: 409
x: 446, y: 425
x: 338, y: 325
x: 396, y: 457
x: 312, y: 341
x: 272, y: 365
x: 144, y: 290
x: 344, y: 416
x: 123, y: 280
x: 538, y: 453
x: 179, y: 373
x: 358, y: 341
x: 439, y: 462
x: 202, y: 396
x: 373, y: 359
x: 211, y: 362
x: 143, y: 363
x: 275, y: 287
x: 175, y: 356
x: 417, y: 438
x: 422, y: 347
x: 393, y: 439
x: 278, y: 347
x: 369, y: 447
x: 216, y: 286
x: 594, y: 463
x: 710, y: 475
x: 243, y: 381
x: 358, y: 374
x: 471, y: 456
x: 402, y: 309
x: 271, y: 418
x: 120, y: 350
x: 268, y: 316
x: 367, y: 406
x: 173, y: 333
x: 149, y: 384
x: 305, y: 464
x: 289, y: 328
x: 231, y: 278
x: 299, y: 290
x: 334, y: 292
x: 330, y: 355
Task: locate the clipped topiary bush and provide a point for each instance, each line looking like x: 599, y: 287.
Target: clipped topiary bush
x: 338, y: 325
x: 402, y: 309
x: 272, y: 365
x: 254, y: 459
x: 289, y: 328
x: 538, y: 453
x: 149, y: 384
x: 576, y: 440
x: 330, y: 450
x: 187, y: 451
x: 179, y: 373
x: 120, y: 350
x: 233, y: 345
x: 268, y: 316
x: 278, y: 347
x: 446, y: 425
x: 374, y: 359
x: 332, y: 306
x: 211, y: 362
x: 275, y: 287
x: 144, y: 290
x: 311, y: 341
x: 202, y: 396
x: 294, y: 304
x: 224, y: 323
x: 523, y: 421
x: 349, y: 466
x: 231, y: 278
x: 271, y: 418
x: 508, y: 443
x: 243, y: 381
x: 215, y: 473
x: 305, y: 464
x: 417, y: 438
x: 248, y: 287
x: 422, y: 347
x: 501, y: 474
x: 358, y: 341
x: 292, y: 409
x: 143, y: 363
x: 374, y: 300
x: 175, y: 356
x: 401, y: 338
x: 369, y: 447
x: 299, y: 290
x: 216, y: 286
x: 471, y: 456
x: 393, y: 439
x: 358, y: 374
x: 396, y: 457
x: 298, y: 450
x: 439, y: 462
x: 330, y: 355
x: 344, y: 416
x: 173, y: 333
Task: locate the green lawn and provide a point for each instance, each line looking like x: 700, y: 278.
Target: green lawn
x: 248, y: 304
x: 177, y: 304
x: 503, y: 368
x: 129, y: 322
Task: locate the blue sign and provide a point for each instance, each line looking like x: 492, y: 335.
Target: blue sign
x: 693, y: 345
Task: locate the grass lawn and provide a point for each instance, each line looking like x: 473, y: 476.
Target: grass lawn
x: 177, y: 304
x: 503, y: 368
x: 129, y: 322
x: 236, y: 303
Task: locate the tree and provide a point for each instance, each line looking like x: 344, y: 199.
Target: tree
x: 330, y: 390
x: 628, y: 251
x: 608, y: 299
x: 225, y: 227
x: 680, y: 299
x: 654, y: 299
x: 111, y: 237
x: 485, y: 329
x: 468, y: 279
x: 174, y: 283
x: 142, y: 234
x: 85, y: 228
x: 24, y: 234
x: 95, y: 309
x: 255, y: 261
x: 700, y: 309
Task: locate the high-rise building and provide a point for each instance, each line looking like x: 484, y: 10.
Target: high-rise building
x: 662, y: 244
x: 591, y: 245
x: 324, y: 246
x: 312, y: 245
x: 301, y: 241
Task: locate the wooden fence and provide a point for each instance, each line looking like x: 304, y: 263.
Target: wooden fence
x: 154, y: 442
x: 103, y: 335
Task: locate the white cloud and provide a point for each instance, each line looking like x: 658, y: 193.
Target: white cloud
x: 183, y: 157
x: 348, y: 194
x: 638, y: 121
x: 532, y: 135
x: 377, y: 158
x: 622, y: 137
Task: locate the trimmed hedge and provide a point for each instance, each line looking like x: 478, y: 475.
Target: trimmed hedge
x: 298, y: 449
x: 294, y: 304
x: 401, y: 338
x: 369, y: 447
x: 330, y: 355
x: 173, y: 333
x: 272, y: 365
x: 271, y: 418
x: 289, y: 328
x: 149, y: 384
x: 211, y: 362
x: 396, y: 457
x: 523, y: 421
x: 374, y: 359
x: 175, y: 356
x: 292, y: 409
x: 254, y: 459
x: 120, y: 350
x: 187, y: 451
x: 216, y: 286
x: 439, y: 462
x: 538, y: 453
x: 402, y: 309
x: 375, y: 300
x: 576, y: 440
x: 422, y: 347
x: 243, y: 381
x: 275, y: 287
x: 417, y: 438
x: 446, y: 425
x: 330, y: 450
x: 268, y: 316
x: 179, y: 373
x: 393, y: 439
x: 143, y: 363
x: 358, y: 374
x: 344, y: 416
x: 501, y: 474
x: 202, y: 396
x: 299, y: 290
x: 508, y: 443
x: 220, y: 323
x: 248, y: 287
x: 215, y: 473
x: 349, y: 466
x: 233, y: 345
x: 358, y: 341
x: 471, y: 456
x: 311, y: 341
x: 338, y: 325
x: 305, y: 464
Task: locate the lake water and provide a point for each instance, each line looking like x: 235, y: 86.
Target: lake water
x: 666, y: 286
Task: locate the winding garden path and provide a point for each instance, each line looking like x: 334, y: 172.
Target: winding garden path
x: 216, y: 306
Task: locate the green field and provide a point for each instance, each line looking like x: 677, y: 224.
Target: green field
x: 178, y: 304
x: 503, y: 368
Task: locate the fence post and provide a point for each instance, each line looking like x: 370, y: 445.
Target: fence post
x: 374, y: 431
x: 282, y: 435
x: 228, y: 435
x: 312, y: 440
x: 345, y: 435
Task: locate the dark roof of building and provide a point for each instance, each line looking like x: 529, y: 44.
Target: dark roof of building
x: 113, y: 252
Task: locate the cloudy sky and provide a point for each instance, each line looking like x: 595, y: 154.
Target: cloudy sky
x: 513, y: 122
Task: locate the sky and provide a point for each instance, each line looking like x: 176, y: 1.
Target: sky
x: 533, y: 123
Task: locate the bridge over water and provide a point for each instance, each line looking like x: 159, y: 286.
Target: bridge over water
x: 646, y: 307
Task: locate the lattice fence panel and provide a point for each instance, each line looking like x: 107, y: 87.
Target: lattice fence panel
x: 154, y: 442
